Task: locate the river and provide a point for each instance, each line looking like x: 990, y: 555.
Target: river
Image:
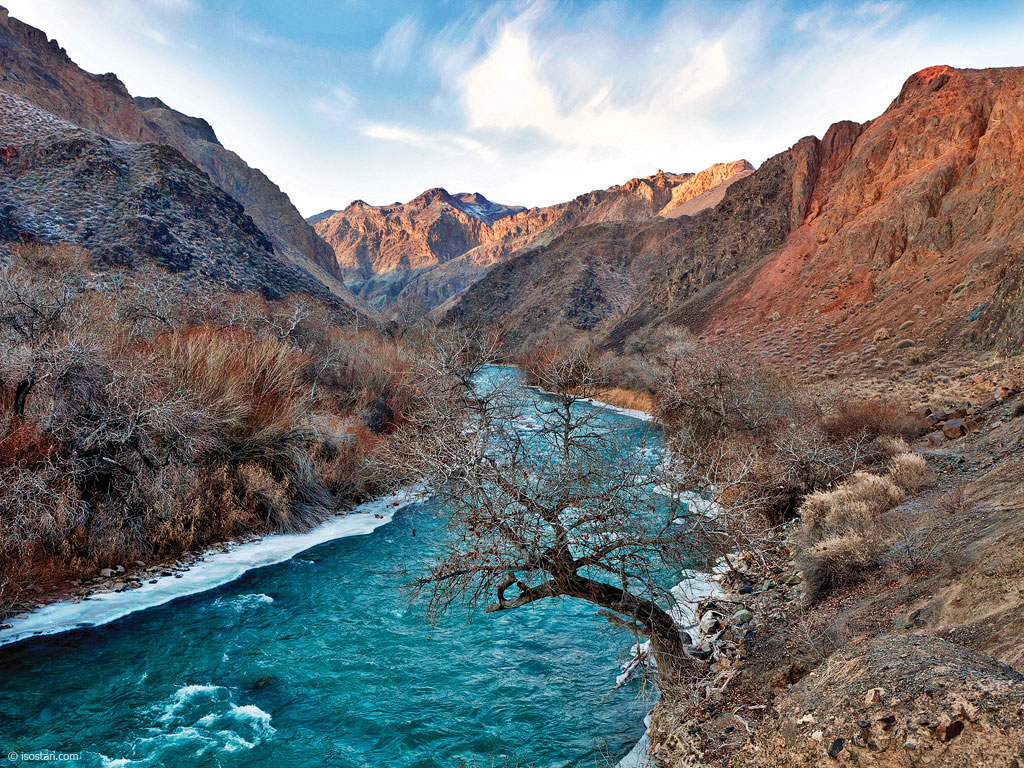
x: 323, y: 660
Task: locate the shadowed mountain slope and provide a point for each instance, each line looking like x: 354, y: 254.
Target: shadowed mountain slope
x: 39, y: 71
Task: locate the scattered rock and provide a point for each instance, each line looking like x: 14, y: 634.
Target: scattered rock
x: 835, y: 748
x: 874, y: 696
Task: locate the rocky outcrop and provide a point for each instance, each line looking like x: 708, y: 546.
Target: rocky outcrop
x: 705, y: 189
x: 432, y: 248
x: 896, y: 701
x: 40, y: 71
x: 130, y: 201
x: 913, y: 221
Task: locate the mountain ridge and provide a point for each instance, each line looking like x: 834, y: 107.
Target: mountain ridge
x: 37, y: 69
x: 905, y: 227
x: 433, y: 247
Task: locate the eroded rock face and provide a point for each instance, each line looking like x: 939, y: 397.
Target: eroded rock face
x: 896, y: 700
x: 39, y: 71
x: 914, y: 217
x: 436, y: 245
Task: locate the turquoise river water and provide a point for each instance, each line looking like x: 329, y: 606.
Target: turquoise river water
x: 323, y: 660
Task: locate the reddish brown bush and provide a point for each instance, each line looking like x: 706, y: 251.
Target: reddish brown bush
x: 874, y: 418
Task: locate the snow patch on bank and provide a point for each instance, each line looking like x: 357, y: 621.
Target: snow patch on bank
x: 217, y: 569
x: 640, y: 755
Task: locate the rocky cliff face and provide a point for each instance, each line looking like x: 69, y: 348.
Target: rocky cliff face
x: 898, y: 238
x: 127, y: 201
x: 432, y: 248
x: 39, y: 71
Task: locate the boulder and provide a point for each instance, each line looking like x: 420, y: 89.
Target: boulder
x: 742, y: 616
x: 954, y: 428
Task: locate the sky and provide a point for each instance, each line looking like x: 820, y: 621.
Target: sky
x: 530, y: 102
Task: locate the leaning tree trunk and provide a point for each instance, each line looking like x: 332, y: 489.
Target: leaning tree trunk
x: 666, y: 638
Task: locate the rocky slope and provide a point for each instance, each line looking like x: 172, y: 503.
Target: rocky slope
x: 430, y: 249
x: 38, y: 70
x: 894, y: 238
x: 126, y: 201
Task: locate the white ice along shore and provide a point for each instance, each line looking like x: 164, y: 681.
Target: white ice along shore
x: 686, y: 595
x: 216, y: 569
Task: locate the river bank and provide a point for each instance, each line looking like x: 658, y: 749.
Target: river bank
x: 213, y: 568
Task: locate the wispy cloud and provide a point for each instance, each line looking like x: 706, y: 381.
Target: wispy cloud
x: 395, y: 50
x: 337, y: 104
x: 444, y: 144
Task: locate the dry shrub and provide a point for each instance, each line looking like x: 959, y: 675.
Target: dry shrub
x: 854, y: 505
x: 910, y: 472
x: 41, y: 517
x: 719, y: 389
x: 889, y: 445
x: 839, y: 561
x: 562, y: 364
x: 22, y: 443
x: 874, y: 419
x: 370, y: 375
x: 253, y: 407
x: 838, y: 539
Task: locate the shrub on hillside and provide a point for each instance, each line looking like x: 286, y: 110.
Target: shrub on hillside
x: 839, y: 561
x: 874, y: 419
x: 839, y: 539
x: 910, y: 472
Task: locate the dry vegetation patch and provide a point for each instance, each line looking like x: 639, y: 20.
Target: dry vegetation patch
x: 142, y: 416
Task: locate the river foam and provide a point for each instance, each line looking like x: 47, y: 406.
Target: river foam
x: 216, y: 569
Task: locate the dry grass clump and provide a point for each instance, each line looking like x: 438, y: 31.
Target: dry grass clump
x: 888, y: 445
x: 839, y: 538
x: 910, y: 472
x: 854, y: 505
x: 841, y: 535
x: 626, y: 398
x: 840, y: 561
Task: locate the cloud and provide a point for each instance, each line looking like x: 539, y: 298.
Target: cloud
x: 445, y: 144
x: 337, y: 105
x: 593, y: 89
x: 395, y: 50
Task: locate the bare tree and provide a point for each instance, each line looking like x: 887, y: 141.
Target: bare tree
x: 544, y: 498
x: 38, y: 288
